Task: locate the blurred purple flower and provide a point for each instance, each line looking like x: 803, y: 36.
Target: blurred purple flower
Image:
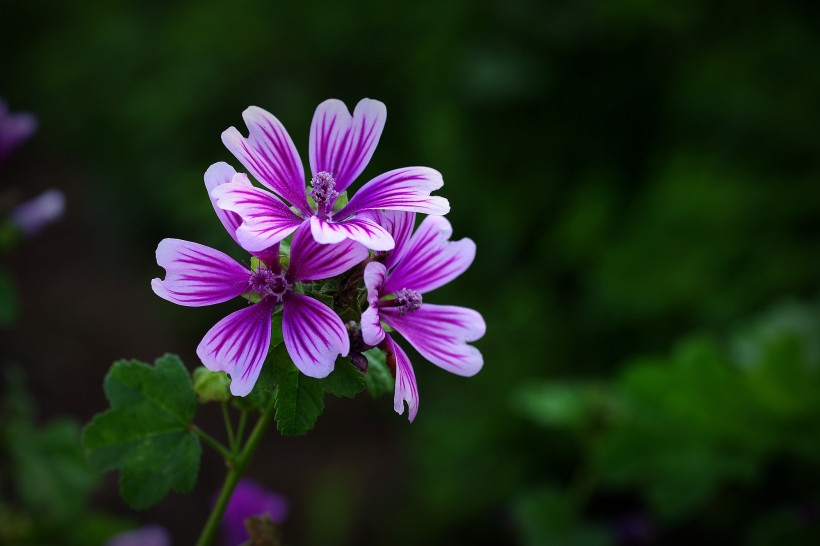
x: 35, y: 214
x: 633, y: 529
x: 197, y: 275
x: 15, y: 129
x: 150, y: 535
x: 341, y: 145
x: 420, y: 262
x: 250, y: 499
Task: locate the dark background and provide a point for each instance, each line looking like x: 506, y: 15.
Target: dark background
x: 633, y: 173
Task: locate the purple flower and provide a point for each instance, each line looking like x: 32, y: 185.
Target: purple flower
x: 633, y: 529
x: 420, y: 262
x: 249, y: 499
x: 150, y: 535
x: 15, y: 129
x: 197, y: 275
x: 33, y: 215
x: 340, y: 147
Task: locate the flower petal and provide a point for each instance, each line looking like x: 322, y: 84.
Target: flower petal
x: 400, y: 226
x: 216, y: 175
x: 402, y: 189
x: 341, y: 144
x: 238, y: 344
x: 363, y: 230
x: 312, y: 261
x: 372, y: 331
x: 222, y: 173
x: 266, y: 219
x: 269, y: 154
x: 197, y: 275
x: 440, y: 334
x: 431, y: 259
x: 406, y: 389
x: 15, y: 129
x: 314, y: 335
x: 34, y: 215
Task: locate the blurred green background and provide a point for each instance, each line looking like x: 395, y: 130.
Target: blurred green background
x: 643, y: 183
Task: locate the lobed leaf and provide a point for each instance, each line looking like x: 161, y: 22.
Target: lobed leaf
x: 146, y: 434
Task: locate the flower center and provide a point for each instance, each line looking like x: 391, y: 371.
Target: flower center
x: 265, y: 282
x: 322, y: 192
x: 406, y: 301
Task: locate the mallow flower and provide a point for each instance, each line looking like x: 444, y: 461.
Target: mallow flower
x: 420, y: 262
x: 15, y: 129
x: 150, y: 535
x: 32, y: 216
x: 249, y: 500
x: 197, y: 275
x: 341, y: 145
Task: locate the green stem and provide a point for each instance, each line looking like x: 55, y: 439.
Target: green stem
x: 236, y: 469
x: 232, y: 443
x: 240, y: 431
x: 213, y: 442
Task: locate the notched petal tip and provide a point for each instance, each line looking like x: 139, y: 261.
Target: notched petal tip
x: 370, y: 107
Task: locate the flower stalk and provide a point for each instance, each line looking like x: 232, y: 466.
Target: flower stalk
x: 236, y: 468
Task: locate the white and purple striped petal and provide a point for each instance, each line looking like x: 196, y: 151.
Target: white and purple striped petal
x: 269, y: 154
x: 405, y: 389
x: 440, y: 334
x: 341, y: 144
x: 372, y: 331
x: 314, y: 335
x: 266, y: 219
x: 431, y: 259
x: 405, y: 189
x: 197, y: 275
x: 238, y: 345
x: 400, y: 226
x: 363, y: 230
x: 222, y: 173
x: 217, y: 175
x: 312, y: 261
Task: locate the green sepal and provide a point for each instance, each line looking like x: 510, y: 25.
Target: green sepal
x: 147, y: 432
x: 211, y: 386
x: 378, y: 378
x: 341, y: 202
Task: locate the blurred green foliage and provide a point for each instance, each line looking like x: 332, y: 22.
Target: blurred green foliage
x: 46, y: 479
x: 681, y: 430
x: 631, y: 171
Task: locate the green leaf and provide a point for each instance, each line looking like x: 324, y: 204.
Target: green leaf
x: 299, y: 399
x: 378, y: 379
x: 51, y: 473
x: 556, y: 404
x: 211, y: 386
x: 345, y: 380
x: 146, y: 433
